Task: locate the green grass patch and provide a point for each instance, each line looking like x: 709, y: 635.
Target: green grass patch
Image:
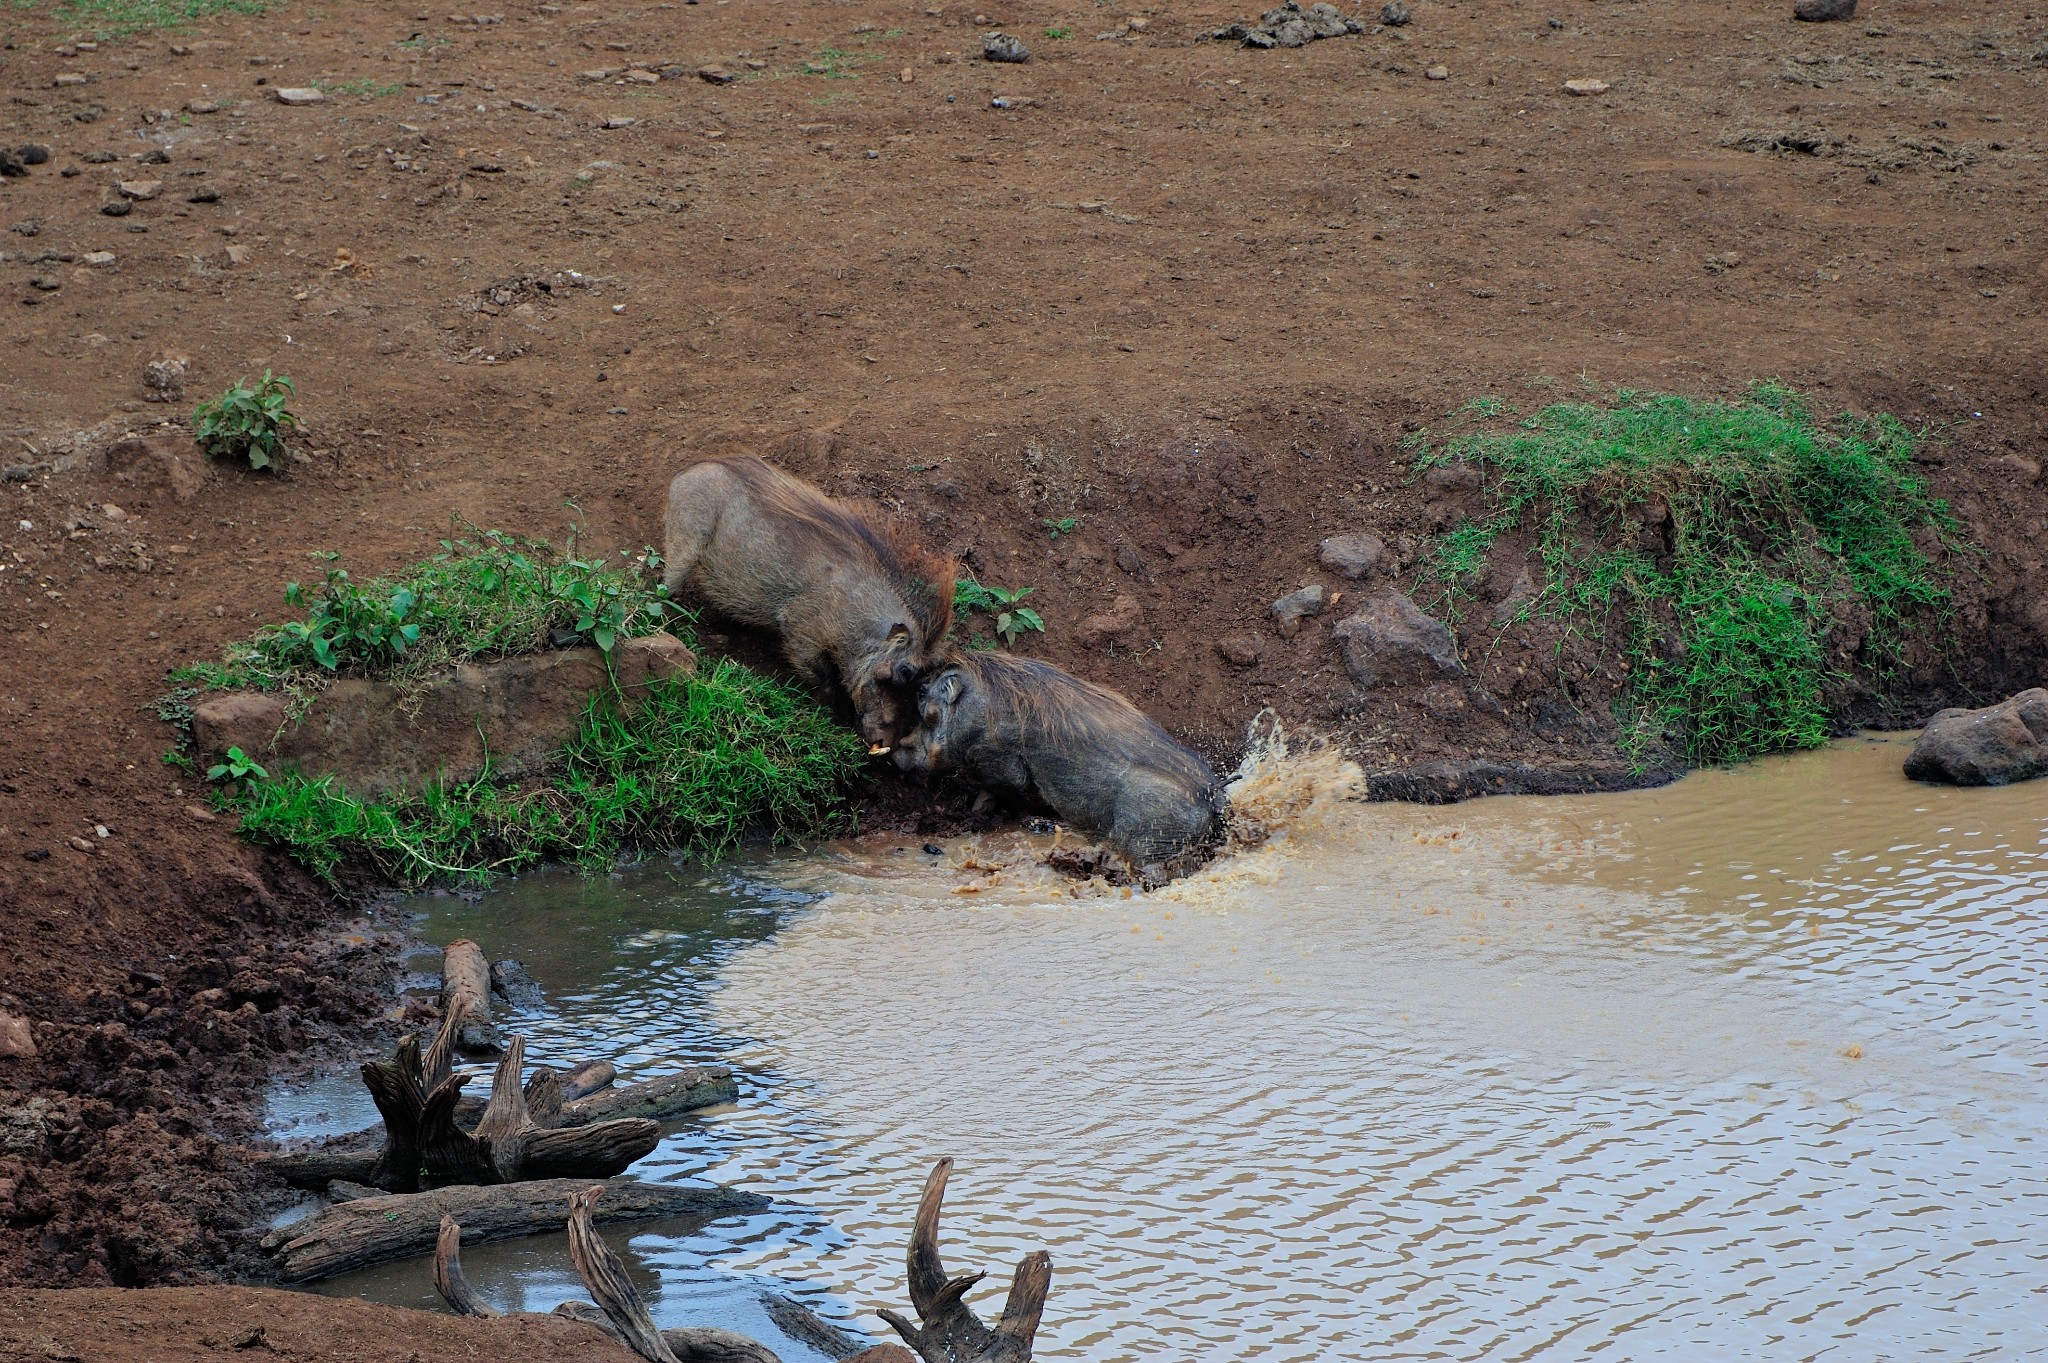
x: 362, y: 86
x: 486, y: 594
x: 1766, y: 528
x: 121, y: 18
x: 701, y: 761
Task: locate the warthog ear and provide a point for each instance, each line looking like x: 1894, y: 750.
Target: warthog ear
x: 899, y: 634
x: 947, y: 686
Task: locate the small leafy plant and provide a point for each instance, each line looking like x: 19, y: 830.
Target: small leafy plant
x: 248, y: 423
x: 1065, y: 525
x: 1058, y: 33
x: 1012, y: 621
x: 239, y: 766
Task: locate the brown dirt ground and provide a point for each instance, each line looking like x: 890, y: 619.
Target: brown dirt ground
x: 1193, y: 296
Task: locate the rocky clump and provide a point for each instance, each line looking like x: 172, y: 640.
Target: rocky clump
x: 512, y: 715
x: 1392, y: 642
x: 1291, y: 25
x: 1820, y: 11
x: 1994, y: 746
x: 1290, y: 610
x: 1352, y: 556
x: 1001, y: 47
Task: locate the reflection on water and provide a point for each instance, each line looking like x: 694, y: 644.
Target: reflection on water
x: 1755, y: 1065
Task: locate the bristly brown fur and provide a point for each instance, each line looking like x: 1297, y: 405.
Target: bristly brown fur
x: 924, y: 576
x: 1063, y: 711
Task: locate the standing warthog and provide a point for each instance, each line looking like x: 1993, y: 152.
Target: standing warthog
x: 1026, y: 730
x: 857, y: 603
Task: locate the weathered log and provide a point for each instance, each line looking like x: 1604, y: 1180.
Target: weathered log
x: 356, y: 1157
x: 448, y: 1277
x: 373, y: 1229
x: 671, y: 1095
x: 950, y: 1332
x: 580, y: 1081
x: 799, y: 1322
x: 466, y: 974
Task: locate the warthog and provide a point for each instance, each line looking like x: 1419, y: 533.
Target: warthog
x: 858, y: 604
x: 1025, y: 730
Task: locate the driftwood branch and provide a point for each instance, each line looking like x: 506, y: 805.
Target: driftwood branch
x: 373, y: 1229
x: 448, y: 1279
x: 949, y: 1331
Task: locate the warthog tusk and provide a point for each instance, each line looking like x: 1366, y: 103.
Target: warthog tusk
x: 877, y: 749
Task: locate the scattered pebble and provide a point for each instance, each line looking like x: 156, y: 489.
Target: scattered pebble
x: 140, y: 190
x: 1394, y: 14
x: 298, y: 94
x: 614, y: 124
x: 1584, y: 86
x: 1820, y: 11
x: 201, y: 106
x: 1437, y: 73
x: 68, y: 78
x: 97, y: 258
x: 715, y: 75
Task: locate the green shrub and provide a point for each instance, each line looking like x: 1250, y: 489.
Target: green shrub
x: 1012, y: 620
x: 1778, y: 526
x: 700, y: 761
x: 247, y: 423
x: 487, y: 594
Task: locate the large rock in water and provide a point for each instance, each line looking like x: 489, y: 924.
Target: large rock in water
x: 514, y: 713
x: 1994, y: 746
x: 1393, y: 642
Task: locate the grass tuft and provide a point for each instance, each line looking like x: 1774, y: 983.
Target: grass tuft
x: 1740, y: 557
x: 701, y: 761
x: 123, y: 18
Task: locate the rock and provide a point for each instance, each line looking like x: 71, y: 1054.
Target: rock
x: 33, y: 154
x: 653, y: 657
x: 1290, y: 610
x: 1450, y: 480
x: 205, y: 194
x: 1820, y: 11
x: 1437, y: 73
x: 16, y: 1041
x: 298, y: 95
x: 1994, y: 746
x: 97, y: 258
x: 510, y: 982
x: 117, y: 208
x: 1123, y: 616
x: 1131, y: 562
x: 715, y: 75
x: 47, y: 283
x: 201, y: 106
x: 248, y: 720
x: 1392, y: 642
x: 1241, y: 650
x: 1586, y: 86
x: 1394, y: 14
x: 1352, y: 556
x: 238, y: 255
x: 515, y: 712
x: 68, y: 78
x: 1001, y: 47
x: 163, y: 380
x: 615, y: 124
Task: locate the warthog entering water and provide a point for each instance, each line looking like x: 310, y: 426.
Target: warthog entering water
x: 857, y: 603
x: 1028, y: 731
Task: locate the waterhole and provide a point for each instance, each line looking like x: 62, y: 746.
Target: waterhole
x: 1752, y: 1066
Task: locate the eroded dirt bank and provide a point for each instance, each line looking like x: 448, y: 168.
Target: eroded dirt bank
x: 1189, y: 295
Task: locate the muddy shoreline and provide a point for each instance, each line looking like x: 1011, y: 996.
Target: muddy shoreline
x: 1192, y: 297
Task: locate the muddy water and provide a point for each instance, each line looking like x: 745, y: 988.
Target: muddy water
x: 1753, y: 1066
